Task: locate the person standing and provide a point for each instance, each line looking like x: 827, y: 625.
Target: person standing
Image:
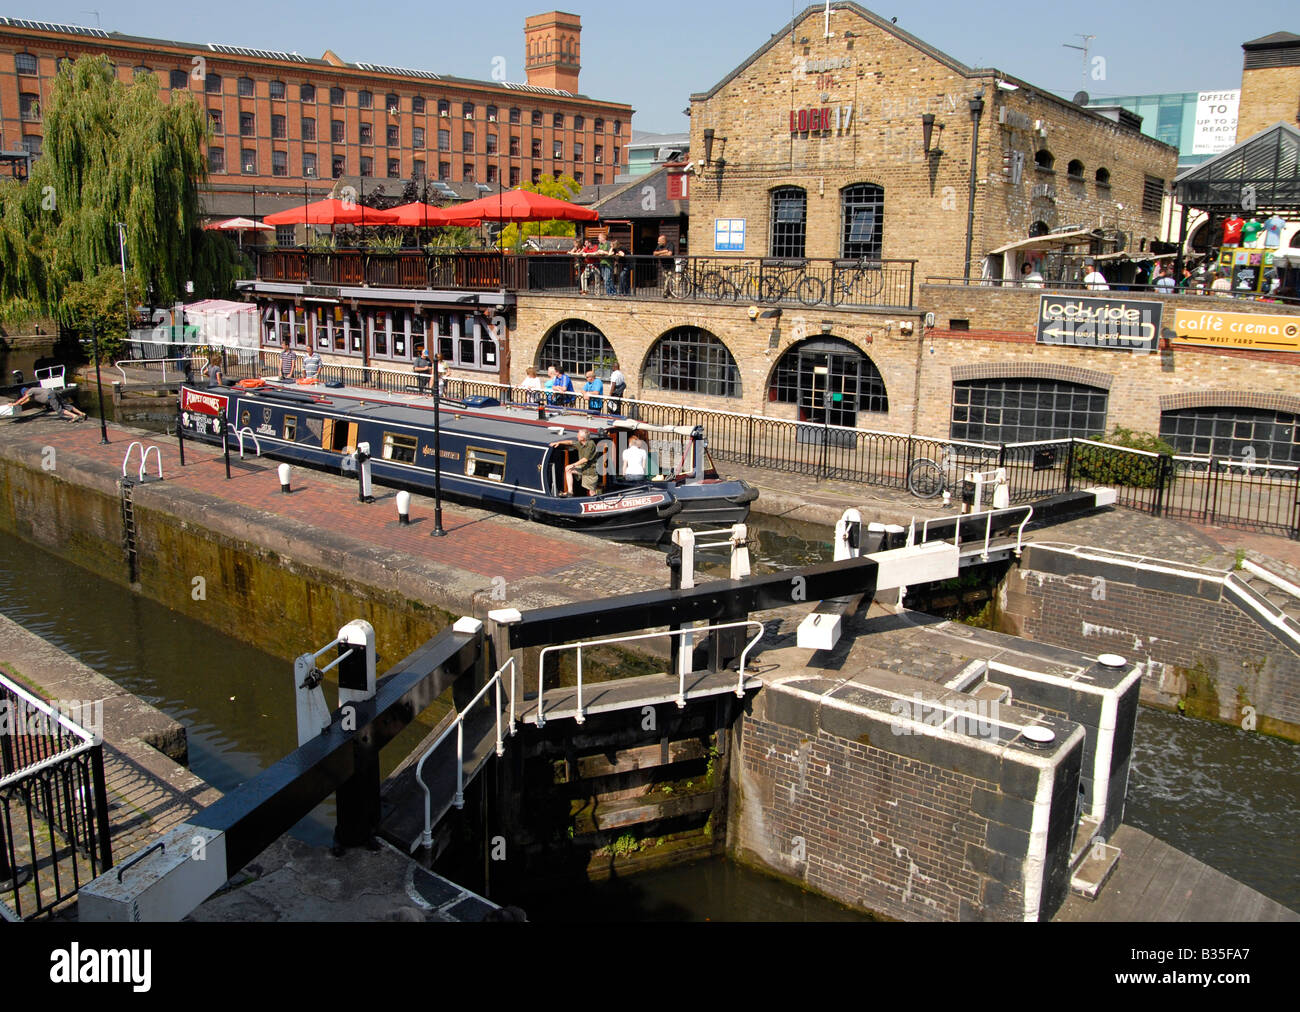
x: 311, y: 365
x: 1093, y: 279
x: 213, y: 371
x: 423, y: 370
x: 1029, y: 277
x: 665, y: 252
x: 1221, y: 285
x: 1165, y: 282
x: 444, y: 372
x: 636, y: 460
x: 593, y: 386
x: 584, y: 467
x: 617, y: 388
x: 607, y: 265
x: 621, y: 277
x: 288, y: 364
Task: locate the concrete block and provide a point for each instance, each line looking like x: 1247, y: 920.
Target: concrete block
x: 818, y: 631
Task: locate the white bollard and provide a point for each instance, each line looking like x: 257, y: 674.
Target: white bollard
x: 284, y: 470
x: 404, y: 507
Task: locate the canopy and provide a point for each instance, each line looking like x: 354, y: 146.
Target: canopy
x: 518, y: 205
x: 239, y: 225
x: 1260, y: 174
x: 418, y: 215
x: 1049, y: 241
x: 331, y: 212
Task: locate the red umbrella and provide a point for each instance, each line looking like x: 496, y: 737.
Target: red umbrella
x: 418, y: 215
x: 331, y: 212
x: 518, y: 205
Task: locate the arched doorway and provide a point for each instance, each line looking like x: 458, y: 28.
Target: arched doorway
x: 830, y: 381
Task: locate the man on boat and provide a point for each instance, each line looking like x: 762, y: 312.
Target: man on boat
x: 586, y: 466
x: 288, y: 364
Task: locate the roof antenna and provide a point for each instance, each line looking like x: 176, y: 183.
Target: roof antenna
x: 96, y: 13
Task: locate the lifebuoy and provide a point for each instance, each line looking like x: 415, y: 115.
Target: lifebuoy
x: 307, y: 381
x: 251, y: 384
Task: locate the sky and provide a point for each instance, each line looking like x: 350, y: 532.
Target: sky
x: 653, y: 56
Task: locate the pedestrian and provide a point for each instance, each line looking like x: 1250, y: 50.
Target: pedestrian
x: 607, y: 265
x: 622, y: 274
x: 289, y: 366
x: 665, y: 252
x: 617, y: 388
x: 1165, y: 283
x: 444, y: 373
x: 1220, y: 285
x: 1093, y: 279
x: 423, y: 370
x: 532, y: 386
x: 593, y: 386
x: 311, y: 366
x: 213, y: 371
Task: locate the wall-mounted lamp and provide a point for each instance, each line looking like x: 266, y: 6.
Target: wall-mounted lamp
x: 927, y: 133
x: 709, y: 136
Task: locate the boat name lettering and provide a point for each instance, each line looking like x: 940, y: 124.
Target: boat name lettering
x: 265, y: 430
x: 207, y: 404
x: 625, y: 503
x: 427, y: 451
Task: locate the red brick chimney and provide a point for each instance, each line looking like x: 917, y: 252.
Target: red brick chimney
x: 551, y: 50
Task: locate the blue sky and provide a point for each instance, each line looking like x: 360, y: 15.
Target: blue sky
x: 654, y: 55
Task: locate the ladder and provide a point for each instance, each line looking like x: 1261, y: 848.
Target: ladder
x: 128, y: 527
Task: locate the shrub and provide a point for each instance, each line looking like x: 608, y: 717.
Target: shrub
x: 1106, y: 465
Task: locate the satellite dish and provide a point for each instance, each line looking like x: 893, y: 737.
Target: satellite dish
x: 1080, y: 98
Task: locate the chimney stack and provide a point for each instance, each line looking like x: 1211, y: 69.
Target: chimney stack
x: 552, y: 50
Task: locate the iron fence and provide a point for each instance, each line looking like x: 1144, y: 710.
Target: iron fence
x: 54, y: 831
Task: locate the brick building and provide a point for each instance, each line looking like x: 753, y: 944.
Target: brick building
x: 1270, y: 83
x: 282, y: 122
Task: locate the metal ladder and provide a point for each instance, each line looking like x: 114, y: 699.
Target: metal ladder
x: 128, y: 527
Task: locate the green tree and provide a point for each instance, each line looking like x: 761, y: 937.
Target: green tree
x: 559, y: 187
x: 99, y: 302
x: 113, y: 152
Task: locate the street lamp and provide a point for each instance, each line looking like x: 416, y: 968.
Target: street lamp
x: 308, y: 171
x: 976, y: 111
x: 438, y: 532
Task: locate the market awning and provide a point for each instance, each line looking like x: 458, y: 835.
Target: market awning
x: 1262, y: 173
x: 1050, y: 241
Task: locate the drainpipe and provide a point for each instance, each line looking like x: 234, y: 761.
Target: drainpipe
x: 976, y: 110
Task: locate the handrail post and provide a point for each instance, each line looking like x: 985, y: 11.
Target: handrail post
x: 581, y: 717
x: 1069, y: 467
x: 459, y: 800
x: 911, y: 284
x: 1164, y: 475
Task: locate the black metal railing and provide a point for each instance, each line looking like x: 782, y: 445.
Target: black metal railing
x: 1197, y: 288
x: 54, y: 831
x: 809, y: 282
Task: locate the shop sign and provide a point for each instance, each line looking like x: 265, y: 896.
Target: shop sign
x: 1015, y: 120
x: 1261, y: 331
x: 1114, y: 323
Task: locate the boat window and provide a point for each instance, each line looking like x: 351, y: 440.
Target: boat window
x: 490, y: 464
x: 291, y: 427
x: 399, y: 447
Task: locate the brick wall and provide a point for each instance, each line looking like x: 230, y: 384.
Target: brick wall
x: 1268, y: 95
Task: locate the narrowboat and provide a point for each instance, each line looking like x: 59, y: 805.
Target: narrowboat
x: 491, y: 461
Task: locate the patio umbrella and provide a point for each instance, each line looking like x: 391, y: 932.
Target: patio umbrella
x: 418, y: 215
x: 518, y: 205
x: 331, y: 212
x: 239, y: 225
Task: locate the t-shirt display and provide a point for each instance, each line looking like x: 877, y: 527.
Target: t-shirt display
x: 1273, y: 231
x: 1250, y: 231
x: 1232, y: 230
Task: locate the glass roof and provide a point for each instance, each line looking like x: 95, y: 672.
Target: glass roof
x: 1259, y: 174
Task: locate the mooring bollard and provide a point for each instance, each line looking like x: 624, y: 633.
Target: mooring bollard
x: 284, y: 471
x: 403, y: 507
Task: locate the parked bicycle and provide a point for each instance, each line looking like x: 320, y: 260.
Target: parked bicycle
x: 856, y: 281
x: 927, y: 478
x: 729, y: 283
x: 780, y: 279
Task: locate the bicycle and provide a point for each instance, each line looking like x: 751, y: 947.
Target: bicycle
x: 927, y: 478
x: 727, y: 284
x: 776, y: 282
x: 856, y: 281
x: 677, y: 280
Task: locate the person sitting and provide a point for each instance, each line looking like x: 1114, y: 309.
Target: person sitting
x: 532, y: 386
x: 563, y: 387
x: 51, y: 400
x: 636, y: 460
x: 586, y: 467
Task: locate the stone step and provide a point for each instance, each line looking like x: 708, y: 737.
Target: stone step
x: 1091, y: 874
x: 1084, y: 834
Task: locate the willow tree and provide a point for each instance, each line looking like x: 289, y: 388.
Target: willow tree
x: 113, y: 152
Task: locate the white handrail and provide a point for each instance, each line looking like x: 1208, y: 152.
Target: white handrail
x: 144, y: 461
x: 988, y: 527
x: 127, y: 458
x: 458, y: 725
x: 257, y: 446
x: 580, y: 717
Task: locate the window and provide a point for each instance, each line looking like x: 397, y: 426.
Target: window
x: 178, y: 79
x: 1044, y: 160
x: 247, y: 124
x: 808, y: 371
x: 336, y: 96
x: 690, y: 360
x: 417, y: 138
x: 248, y: 159
x: 537, y: 117
x: 337, y: 165
x: 789, y: 218
x: 599, y: 153
x: 1075, y: 169
x: 444, y: 171
x: 290, y: 430
x: 863, y: 207
x: 278, y: 90
x: 598, y: 125
x: 394, y: 168
x: 616, y: 154
x: 618, y: 127
x: 29, y: 107
x: 514, y: 147
x: 308, y: 128
x: 491, y: 173
x: 492, y: 114
x: 577, y: 178
x: 557, y: 149
x: 400, y: 447
x: 1103, y: 177
x: 1270, y: 436
x: 444, y: 107
x: 557, y: 121
x: 394, y: 135
x: 216, y: 160
x: 489, y: 464
x: 336, y: 131
x: 417, y: 169
x: 284, y: 235
x: 467, y: 144
x: 467, y: 172
x: 467, y: 110
x: 246, y: 87
x: 514, y: 177
x: 367, y: 166
x: 365, y: 99
x: 579, y: 122
x: 577, y: 152
x: 536, y: 176
x: 307, y: 92
x: 600, y: 178
x: 31, y: 143
x: 537, y: 147
x: 1153, y: 193
x: 308, y: 165
x: 25, y: 63
x: 444, y: 140
x: 1020, y: 410
x: 515, y: 115
x: 379, y: 326
x: 212, y: 84
x: 279, y: 163
x: 392, y: 102
x: 417, y: 104
x: 577, y: 346
x: 279, y: 128
x: 214, y: 120
x: 367, y: 133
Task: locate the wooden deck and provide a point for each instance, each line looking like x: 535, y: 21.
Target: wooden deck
x: 1155, y: 882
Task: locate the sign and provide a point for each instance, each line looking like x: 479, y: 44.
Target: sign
x: 203, y: 404
x: 1015, y: 120
x: 319, y: 292
x: 627, y: 502
x: 1083, y: 322
x: 1261, y: 331
x: 832, y: 63
x: 1216, y: 122
x: 728, y: 235
x: 822, y: 119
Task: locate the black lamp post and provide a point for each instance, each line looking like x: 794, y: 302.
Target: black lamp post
x: 976, y: 111
x: 99, y: 383
x: 438, y: 532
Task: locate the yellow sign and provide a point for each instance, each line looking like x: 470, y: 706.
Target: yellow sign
x: 1262, y: 331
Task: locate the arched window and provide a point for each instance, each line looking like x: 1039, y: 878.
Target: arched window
x: 862, y: 213
x: 810, y: 371
x: 246, y: 87
x: 1103, y: 177
x: 1075, y: 169
x: 1039, y: 228
x: 690, y: 360
x: 576, y: 346
x: 1014, y: 410
x: 789, y: 222
x: 307, y: 92
x: 1267, y: 436
x: 1044, y: 158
